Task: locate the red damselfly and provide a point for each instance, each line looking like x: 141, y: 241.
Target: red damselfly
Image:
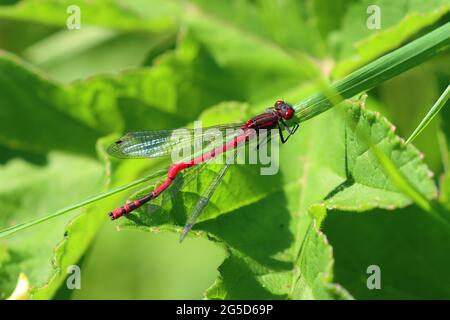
x: 157, y: 143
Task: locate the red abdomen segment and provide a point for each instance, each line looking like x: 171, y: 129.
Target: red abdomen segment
x: 177, y: 168
x: 130, y: 206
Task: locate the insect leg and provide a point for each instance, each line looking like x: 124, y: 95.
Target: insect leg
x: 280, y: 130
x: 289, y: 130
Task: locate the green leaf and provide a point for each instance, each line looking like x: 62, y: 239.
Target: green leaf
x: 262, y: 68
x: 80, y: 232
x: 367, y: 184
x: 49, y: 164
x: 328, y: 15
x: 168, y: 95
x: 327, y: 161
x: 405, y: 244
x: 143, y: 15
x: 39, y: 143
x: 280, y: 24
x: 39, y: 107
x: 29, y: 191
x: 399, y: 21
x: 93, y: 48
x: 94, y: 107
x: 94, y: 51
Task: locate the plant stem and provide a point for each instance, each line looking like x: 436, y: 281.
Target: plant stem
x: 9, y: 231
x: 376, y: 72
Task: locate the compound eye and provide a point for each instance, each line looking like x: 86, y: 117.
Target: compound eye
x: 279, y: 103
x: 289, y: 114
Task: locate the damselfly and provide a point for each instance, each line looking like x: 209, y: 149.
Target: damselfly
x: 157, y: 143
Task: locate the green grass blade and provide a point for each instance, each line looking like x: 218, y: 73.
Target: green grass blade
x: 376, y: 72
x: 431, y: 114
x: 11, y: 230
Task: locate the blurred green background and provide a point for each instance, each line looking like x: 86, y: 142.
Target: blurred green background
x: 152, y: 64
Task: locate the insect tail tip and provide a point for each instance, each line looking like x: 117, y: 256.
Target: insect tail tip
x: 111, y: 216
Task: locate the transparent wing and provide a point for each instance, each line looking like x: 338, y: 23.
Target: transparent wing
x: 181, y: 181
x: 159, y: 143
x: 203, y: 201
x: 188, y: 175
x: 206, y: 196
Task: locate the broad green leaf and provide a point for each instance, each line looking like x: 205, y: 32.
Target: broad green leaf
x: 93, y: 48
x: 200, y: 73
x: 78, y: 104
x: 32, y: 190
x: 42, y: 173
x: 36, y: 112
x: 80, y: 232
x: 39, y: 173
x: 283, y: 24
x: 35, y: 139
x: 328, y: 15
x: 367, y: 185
x: 25, y: 33
x: 167, y: 95
x: 325, y: 161
x: 172, y: 92
x: 399, y: 21
x: 94, y: 51
x: 144, y: 15
x: 258, y: 66
x: 407, y: 246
